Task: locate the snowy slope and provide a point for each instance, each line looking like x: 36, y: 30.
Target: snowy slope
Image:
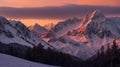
x: 10, y: 61
x: 16, y: 32
x: 94, y: 31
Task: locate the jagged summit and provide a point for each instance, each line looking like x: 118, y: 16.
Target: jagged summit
x: 3, y: 20
x: 84, y: 41
x: 93, y: 21
x: 36, y: 25
x: 97, y: 15
x: 49, y: 26
x: 38, y: 29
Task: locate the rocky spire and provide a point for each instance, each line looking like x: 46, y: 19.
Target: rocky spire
x: 97, y: 15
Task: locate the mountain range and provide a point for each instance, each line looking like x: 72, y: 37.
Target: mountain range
x: 82, y: 38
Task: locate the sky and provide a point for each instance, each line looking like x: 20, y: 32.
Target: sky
x: 47, y: 11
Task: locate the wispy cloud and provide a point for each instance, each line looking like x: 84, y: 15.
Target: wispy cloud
x: 61, y: 12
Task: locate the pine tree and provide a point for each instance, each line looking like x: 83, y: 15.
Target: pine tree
x: 108, y: 56
x: 114, y: 53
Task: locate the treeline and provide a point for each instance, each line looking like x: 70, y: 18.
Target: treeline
x: 41, y: 55
x: 14, y: 49
x: 109, y: 57
x: 106, y: 57
x: 52, y: 57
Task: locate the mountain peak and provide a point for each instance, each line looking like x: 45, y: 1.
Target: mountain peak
x: 3, y: 20
x: 38, y: 29
x: 2, y: 17
x: 36, y: 25
x: 49, y: 26
x: 96, y: 15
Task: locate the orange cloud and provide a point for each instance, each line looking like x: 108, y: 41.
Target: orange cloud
x: 101, y: 2
x: 41, y: 3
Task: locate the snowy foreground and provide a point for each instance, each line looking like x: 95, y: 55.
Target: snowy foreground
x: 10, y: 61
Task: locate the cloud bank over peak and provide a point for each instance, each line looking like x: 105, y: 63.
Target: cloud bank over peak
x: 59, y: 12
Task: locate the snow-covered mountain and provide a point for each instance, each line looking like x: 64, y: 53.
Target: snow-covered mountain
x: 39, y: 30
x: 62, y: 27
x: 16, y: 32
x: 79, y: 37
x: 88, y: 36
x: 10, y: 61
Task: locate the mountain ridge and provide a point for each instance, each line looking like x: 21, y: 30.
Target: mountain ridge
x: 15, y: 32
x: 94, y: 31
